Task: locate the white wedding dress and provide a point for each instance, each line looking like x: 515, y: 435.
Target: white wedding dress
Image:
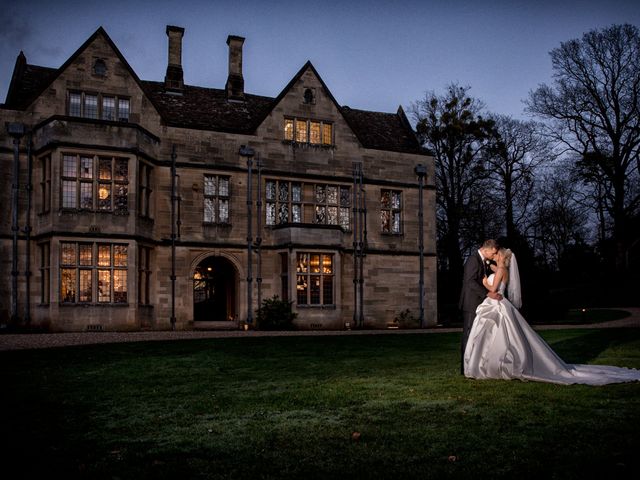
x: 502, y: 345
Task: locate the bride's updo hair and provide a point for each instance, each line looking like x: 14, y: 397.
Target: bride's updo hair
x: 506, y: 252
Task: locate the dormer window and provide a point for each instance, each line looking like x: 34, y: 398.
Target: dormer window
x: 100, y: 67
x: 306, y: 131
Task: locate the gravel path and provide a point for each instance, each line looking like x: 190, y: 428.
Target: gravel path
x: 50, y: 340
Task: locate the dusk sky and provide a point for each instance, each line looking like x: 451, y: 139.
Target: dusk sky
x: 373, y: 55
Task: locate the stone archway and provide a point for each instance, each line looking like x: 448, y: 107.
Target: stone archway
x: 215, y: 296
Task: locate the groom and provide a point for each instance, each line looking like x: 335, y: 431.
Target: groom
x: 473, y: 291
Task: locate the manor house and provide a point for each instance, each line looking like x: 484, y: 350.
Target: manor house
x: 132, y: 204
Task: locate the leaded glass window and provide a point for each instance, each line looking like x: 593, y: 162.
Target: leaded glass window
x: 93, y: 272
x: 97, y: 105
x: 313, y: 132
x: 283, y: 202
x: 391, y: 211
x: 108, y: 108
x: 90, y: 106
x: 75, y: 104
x: 95, y: 183
x: 216, y: 199
x: 332, y: 205
x: 314, y: 279
x: 288, y: 129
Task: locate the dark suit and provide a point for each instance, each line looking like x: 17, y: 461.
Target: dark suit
x: 473, y: 293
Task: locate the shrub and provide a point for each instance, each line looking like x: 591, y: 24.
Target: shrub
x: 275, y: 314
x: 405, y: 319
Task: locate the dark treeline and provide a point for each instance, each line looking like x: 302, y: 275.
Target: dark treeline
x: 562, y: 190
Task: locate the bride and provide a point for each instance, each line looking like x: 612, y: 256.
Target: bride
x: 502, y: 345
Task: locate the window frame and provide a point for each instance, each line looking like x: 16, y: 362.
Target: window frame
x: 96, y: 271
x: 278, y: 203
x: 216, y: 198
x: 341, y: 209
x: 325, y: 279
x: 292, y: 133
x: 391, y: 210
x: 81, y: 111
x: 117, y: 188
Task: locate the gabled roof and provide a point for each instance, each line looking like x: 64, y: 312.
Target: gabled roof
x: 209, y: 109
x: 29, y: 81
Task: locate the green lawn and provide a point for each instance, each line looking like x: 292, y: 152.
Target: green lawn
x: 288, y: 407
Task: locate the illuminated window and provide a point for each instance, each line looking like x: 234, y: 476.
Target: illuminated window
x: 327, y: 134
x: 301, y: 131
x: 216, y: 199
x: 288, y: 129
x: 314, y: 279
x: 314, y: 132
x: 97, y: 105
x: 332, y: 205
x: 93, y: 272
x: 95, y: 183
x: 283, y: 202
x: 307, y: 131
x: 390, y: 211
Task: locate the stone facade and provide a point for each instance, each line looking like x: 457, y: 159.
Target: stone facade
x: 158, y: 205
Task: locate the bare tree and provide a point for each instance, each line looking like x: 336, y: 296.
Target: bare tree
x: 452, y: 127
x: 514, y: 158
x: 594, y: 109
x: 559, y: 220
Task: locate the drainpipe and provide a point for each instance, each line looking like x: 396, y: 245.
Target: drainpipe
x: 248, y: 152
x: 27, y: 231
x: 421, y: 172
x: 259, y: 233
x: 355, y: 244
x: 15, y: 130
x: 173, y: 237
x: 362, y: 211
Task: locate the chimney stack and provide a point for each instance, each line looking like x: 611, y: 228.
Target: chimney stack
x: 173, y: 80
x: 235, y: 81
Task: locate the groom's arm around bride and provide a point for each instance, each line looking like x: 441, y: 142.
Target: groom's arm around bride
x: 473, y: 291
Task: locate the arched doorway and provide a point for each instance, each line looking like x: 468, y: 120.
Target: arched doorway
x: 214, y: 290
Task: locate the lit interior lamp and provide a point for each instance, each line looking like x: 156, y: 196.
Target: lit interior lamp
x: 103, y: 193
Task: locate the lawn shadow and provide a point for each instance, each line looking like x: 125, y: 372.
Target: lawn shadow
x: 588, y: 347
